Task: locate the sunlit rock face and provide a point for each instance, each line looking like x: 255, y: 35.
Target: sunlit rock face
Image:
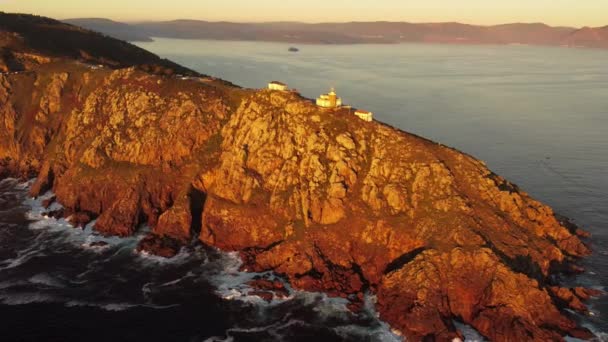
x: 320, y: 197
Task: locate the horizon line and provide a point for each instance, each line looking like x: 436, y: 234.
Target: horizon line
x: 330, y: 22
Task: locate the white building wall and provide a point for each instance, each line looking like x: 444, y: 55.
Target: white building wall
x: 365, y: 116
x: 275, y: 86
x: 325, y: 102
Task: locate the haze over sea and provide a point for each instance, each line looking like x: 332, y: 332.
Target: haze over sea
x: 537, y: 115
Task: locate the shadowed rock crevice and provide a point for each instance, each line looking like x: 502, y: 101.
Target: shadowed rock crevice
x: 356, y: 268
x: 520, y: 264
x: 572, y: 227
x: 264, y: 248
x: 502, y: 184
x: 313, y: 273
x: 44, y: 181
x: 403, y: 260
x: 197, y: 200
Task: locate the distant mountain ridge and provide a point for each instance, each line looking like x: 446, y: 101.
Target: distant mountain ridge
x: 354, y: 32
x: 111, y: 28
x: 589, y: 37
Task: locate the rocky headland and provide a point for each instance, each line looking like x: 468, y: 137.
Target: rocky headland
x: 326, y: 201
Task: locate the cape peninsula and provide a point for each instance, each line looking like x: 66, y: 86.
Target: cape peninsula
x: 325, y: 200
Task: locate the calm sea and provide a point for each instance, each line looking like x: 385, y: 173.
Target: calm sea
x: 538, y: 116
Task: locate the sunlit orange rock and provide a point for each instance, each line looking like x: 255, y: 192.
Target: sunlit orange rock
x: 327, y: 201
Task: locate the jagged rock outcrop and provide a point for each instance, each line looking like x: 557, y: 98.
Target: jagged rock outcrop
x: 325, y: 200
x: 340, y: 211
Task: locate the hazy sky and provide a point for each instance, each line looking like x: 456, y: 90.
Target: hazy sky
x: 553, y: 12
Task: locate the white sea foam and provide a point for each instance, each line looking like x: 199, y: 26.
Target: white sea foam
x: 597, y: 339
x: 269, y: 329
x: 232, y: 284
x: 22, y: 257
x: 47, y: 280
x: 177, y: 281
x: 219, y: 339
x: 601, y: 336
x: 27, y: 298
x: 380, y: 334
x: 114, y: 306
x: 106, y: 306
x: 380, y: 330
x: 25, y: 185
x: 8, y: 284
x: 7, y: 180
x: 64, y: 231
x: 154, y: 260
x: 117, y: 306
x: 470, y: 334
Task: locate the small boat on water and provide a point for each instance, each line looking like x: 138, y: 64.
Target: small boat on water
x: 294, y: 49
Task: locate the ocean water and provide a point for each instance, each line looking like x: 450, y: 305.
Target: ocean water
x: 538, y: 116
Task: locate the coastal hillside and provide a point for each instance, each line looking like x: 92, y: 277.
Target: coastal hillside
x: 359, y: 32
x: 28, y: 41
x: 326, y: 201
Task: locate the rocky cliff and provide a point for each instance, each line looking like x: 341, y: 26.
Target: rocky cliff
x: 323, y: 199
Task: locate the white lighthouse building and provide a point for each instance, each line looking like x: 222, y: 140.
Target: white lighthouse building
x: 329, y: 100
x: 364, y: 115
x: 276, y: 85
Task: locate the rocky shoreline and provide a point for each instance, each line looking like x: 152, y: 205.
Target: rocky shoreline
x: 329, y: 202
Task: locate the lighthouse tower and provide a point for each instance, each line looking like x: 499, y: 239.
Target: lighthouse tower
x: 333, y: 98
x: 329, y: 100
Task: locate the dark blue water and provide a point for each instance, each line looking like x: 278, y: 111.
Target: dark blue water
x: 537, y: 116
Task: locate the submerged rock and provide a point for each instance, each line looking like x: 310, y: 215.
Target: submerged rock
x: 159, y: 245
x: 268, y: 289
x: 99, y: 244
